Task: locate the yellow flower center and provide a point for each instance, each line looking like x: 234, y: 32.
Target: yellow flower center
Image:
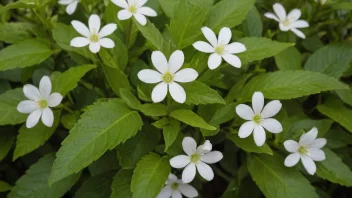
x: 94, y: 38
x: 174, y: 186
x: 132, y: 9
x: 286, y: 22
x: 303, y: 150
x: 257, y: 118
x: 220, y: 49
x: 195, y: 158
x: 168, y: 77
x: 42, y: 104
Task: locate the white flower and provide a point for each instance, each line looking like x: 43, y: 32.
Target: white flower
x: 39, y: 102
x: 258, y: 118
x: 175, y: 188
x: 93, y: 36
x: 322, y: 2
x: 168, y: 75
x: 196, y: 157
x: 220, y: 48
x: 288, y: 22
x: 308, y: 149
x: 134, y: 8
x: 71, y: 5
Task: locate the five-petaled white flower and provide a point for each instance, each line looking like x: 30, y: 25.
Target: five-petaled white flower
x: 308, y: 149
x: 39, y: 102
x: 175, y: 188
x: 220, y: 48
x: 168, y: 75
x: 196, y: 157
x: 258, y: 118
x: 92, y: 36
x: 134, y: 8
x: 322, y: 2
x: 71, y: 5
x: 288, y: 22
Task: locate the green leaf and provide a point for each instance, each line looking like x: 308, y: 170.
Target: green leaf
x: 34, y: 183
x: 4, y: 186
x: 334, y: 170
x: 150, y: 176
x: 236, y: 89
x: 229, y: 13
x: 121, y: 185
x: 331, y: 60
x: 190, y: 118
x: 116, y: 78
x: 290, y: 84
x: 97, y: 186
x: 289, y: 59
x: 276, y: 180
x: 168, y: 6
x: 170, y: 132
x: 107, y: 162
x: 253, y: 25
x: 24, y: 54
x: 161, y: 123
x: 342, y: 6
x: 117, y: 56
x: 8, y: 107
x: 130, y: 152
x: 345, y: 95
x: 335, y: 109
x: 16, y: 32
x: 102, y: 127
x: 260, y: 48
x: 30, y: 139
x: 6, y: 141
x: 248, y: 145
x: 67, y: 81
x: 154, y: 109
x: 130, y: 99
x: 186, y: 22
x: 200, y: 93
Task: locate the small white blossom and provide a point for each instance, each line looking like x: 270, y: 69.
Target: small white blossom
x: 167, y: 76
x: 288, y: 22
x: 39, y: 103
x: 196, y: 158
x: 259, y: 117
x: 94, y: 37
x: 322, y: 2
x: 134, y: 8
x: 308, y: 149
x: 175, y: 188
x: 220, y: 48
x: 71, y: 5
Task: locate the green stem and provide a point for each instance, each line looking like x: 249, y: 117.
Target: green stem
x: 128, y: 33
x: 67, y: 109
x: 222, y: 174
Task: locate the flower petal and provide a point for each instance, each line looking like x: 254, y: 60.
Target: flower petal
x: 81, y: 28
x: 45, y: 87
x: 140, y: 3
x: 259, y: 135
x: 211, y: 157
x: 299, y: 33
x: 300, y: 24
x: 180, y: 161
x: 94, y: 23
x: 176, y: 194
x: 204, y: 148
x: 246, y: 129
x: 271, y: 109
x: 159, y: 61
x: 292, y: 159
x: 33, y: 118
x: 94, y: 47
x: 272, y: 125
x: 210, y: 36
x: 284, y: 28
x: 159, y: 92
x: 203, y: 47
x: 205, y: 171
x: 309, y: 164
x: 71, y: 8
x: 176, y: 61
x: 48, y: 117
x: 147, y: 11
x: 235, y: 48
x: 271, y: 16
x: 189, y: 173
x: 107, y: 43
x: 149, y: 76
x: 165, y: 192
x: 188, y: 190
x: 79, y: 42
x: 186, y: 75
x: 172, y: 177
x: 123, y: 15
x: 257, y: 102
x: 107, y: 30
x: 140, y: 18
x: 64, y: 2
x: 225, y: 36
x: 318, y: 143
x: 214, y: 61
x: 177, y: 92
x: 316, y: 154
x: 27, y: 106
x: 232, y: 60
x: 280, y: 11
x: 189, y: 145
x: 294, y: 14
x: 291, y: 146
x: 244, y: 111
x: 120, y: 3
x: 308, y: 137
x: 54, y: 99
x: 31, y: 92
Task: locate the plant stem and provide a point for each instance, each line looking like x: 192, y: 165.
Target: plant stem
x: 128, y: 33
